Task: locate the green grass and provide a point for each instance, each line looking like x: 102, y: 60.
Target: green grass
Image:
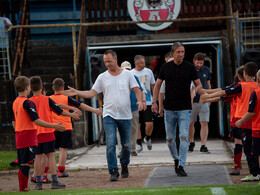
x: 6, y: 158
x: 252, y: 189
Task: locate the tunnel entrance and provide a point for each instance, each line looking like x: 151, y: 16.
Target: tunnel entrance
x: 213, y: 50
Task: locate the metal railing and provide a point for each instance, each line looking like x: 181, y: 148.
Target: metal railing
x: 249, y: 31
x: 5, y: 67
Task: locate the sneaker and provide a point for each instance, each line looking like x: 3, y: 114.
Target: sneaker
x: 45, y: 180
x: 57, y: 185
x: 148, y: 143
x: 114, y: 175
x: 139, y: 148
x: 124, y: 172
x: 33, y: 179
x: 176, y: 166
x: 38, y: 186
x: 62, y: 174
x: 191, y: 146
x: 133, y: 153
x: 204, y: 149
x: 250, y: 178
x: 181, y: 172
x: 235, y: 172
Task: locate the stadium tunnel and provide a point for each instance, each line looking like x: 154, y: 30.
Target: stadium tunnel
x: 127, y: 51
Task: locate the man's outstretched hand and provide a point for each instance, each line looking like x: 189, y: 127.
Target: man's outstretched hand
x: 70, y: 92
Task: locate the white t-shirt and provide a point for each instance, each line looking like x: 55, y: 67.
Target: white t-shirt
x: 116, y: 91
x: 146, y: 78
x: 162, y: 89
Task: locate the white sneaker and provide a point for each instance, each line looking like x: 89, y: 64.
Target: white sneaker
x: 250, y: 178
x: 139, y: 148
x: 148, y: 143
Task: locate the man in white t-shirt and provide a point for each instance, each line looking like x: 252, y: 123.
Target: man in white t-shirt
x: 115, y: 84
x: 5, y: 23
x: 146, y: 78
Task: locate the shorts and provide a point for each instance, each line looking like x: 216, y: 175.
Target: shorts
x: 256, y: 145
x: 45, y: 148
x: 63, y: 139
x: 146, y: 116
x: 201, y: 110
x: 236, y: 132
x: 26, y: 155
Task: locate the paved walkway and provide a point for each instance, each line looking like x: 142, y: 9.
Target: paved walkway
x: 197, y: 175
x: 159, y: 155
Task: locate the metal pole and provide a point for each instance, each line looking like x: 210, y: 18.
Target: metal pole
x: 121, y: 22
x: 75, y: 55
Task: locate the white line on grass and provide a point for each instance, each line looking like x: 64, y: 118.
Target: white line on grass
x: 132, y: 191
x: 218, y: 191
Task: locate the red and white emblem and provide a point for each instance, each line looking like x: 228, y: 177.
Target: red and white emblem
x: 143, y: 10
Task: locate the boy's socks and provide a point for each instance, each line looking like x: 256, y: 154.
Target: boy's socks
x: 46, y: 171
x: 39, y: 179
x: 61, y: 168
x: 23, y: 175
x: 237, y: 156
x: 148, y: 137
x: 54, y: 177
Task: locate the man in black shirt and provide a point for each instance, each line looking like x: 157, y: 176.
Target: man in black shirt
x: 178, y: 75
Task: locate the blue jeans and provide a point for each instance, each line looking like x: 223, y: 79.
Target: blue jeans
x: 124, y: 129
x: 171, y: 118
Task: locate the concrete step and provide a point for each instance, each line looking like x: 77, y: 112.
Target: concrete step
x: 33, y: 56
x: 50, y: 63
x: 48, y: 70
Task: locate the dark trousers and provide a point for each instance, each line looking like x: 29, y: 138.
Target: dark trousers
x: 252, y: 160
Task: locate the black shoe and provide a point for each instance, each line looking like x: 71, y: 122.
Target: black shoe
x: 203, y: 148
x: 176, y: 166
x: 191, y: 146
x: 38, y: 186
x: 124, y: 172
x: 57, y: 185
x: 181, y: 172
x: 114, y: 175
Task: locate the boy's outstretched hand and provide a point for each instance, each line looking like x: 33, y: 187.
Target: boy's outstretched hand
x: 59, y: 127
x: 75, y: 116
x: 99, y: 111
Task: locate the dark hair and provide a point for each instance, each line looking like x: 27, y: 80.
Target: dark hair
x: 58, y: 83
x: 251, y: 68
x: 138, y: 57
x: 112, y: 52
x: 168, y: 55
x: 35, y: 83
x: 20, y: 83
x: 240, y: 71
x: 176, y: 45
x: 199, y: 56
x: 236, y: 79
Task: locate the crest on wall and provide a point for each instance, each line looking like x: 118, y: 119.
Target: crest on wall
x: 143, y: 10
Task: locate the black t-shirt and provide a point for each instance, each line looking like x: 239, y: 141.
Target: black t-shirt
x: 177, y: 84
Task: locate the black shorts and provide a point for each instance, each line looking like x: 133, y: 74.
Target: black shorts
x: 45, y: 148
x: 236, y: 132
x: 26, y: 155
x: 63, y: 139
x: 256, y: 146
x: 146, y: 116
